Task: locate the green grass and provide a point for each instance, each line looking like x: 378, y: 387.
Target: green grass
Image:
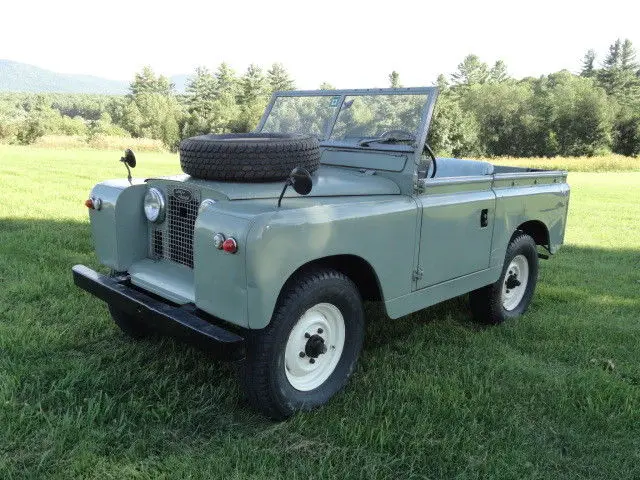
x: 555, y: 394
x: 608, y: 163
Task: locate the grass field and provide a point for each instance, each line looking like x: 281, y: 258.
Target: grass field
x: 555, y: 394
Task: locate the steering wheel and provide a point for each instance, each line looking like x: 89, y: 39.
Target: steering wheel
x: 399, y: 134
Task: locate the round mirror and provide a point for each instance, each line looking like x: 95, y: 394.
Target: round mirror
x: 129, y: 158
x: 301, y: 181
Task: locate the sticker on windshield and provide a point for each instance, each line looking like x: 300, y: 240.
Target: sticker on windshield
x: 335, y: 101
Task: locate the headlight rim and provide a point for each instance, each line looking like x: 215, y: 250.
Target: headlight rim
x: 159, y: 197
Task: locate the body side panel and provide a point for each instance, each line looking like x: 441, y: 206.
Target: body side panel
x: 219, y: 277
x: 425, y: 297
x: 381, y: 231
x: 119, y: 228
x: 525, y: 197
x: 453, y: 242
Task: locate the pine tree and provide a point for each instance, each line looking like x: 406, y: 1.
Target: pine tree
x: 252, y: 86
x: 588, y: 68
x: 201, y: 88
x: 498, y: 72
x: 628, y: 57
x: 442, y: 83
x: 226, y: 110
x: 226, y: 79
x: 153, y: 110
x: 201, y: 97
x: 394, y: 80
x: 279, y: 79
x: 612, y: 61
x: 252, y: 98
x: 471, y: 71
x: 147, y: 82
x: 619, y: 77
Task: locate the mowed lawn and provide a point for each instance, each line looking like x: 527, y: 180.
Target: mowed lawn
x: 553, y: 395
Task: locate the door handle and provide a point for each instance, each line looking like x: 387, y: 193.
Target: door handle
x: 484, y: 217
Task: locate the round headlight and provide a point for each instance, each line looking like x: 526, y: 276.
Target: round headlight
x: 154, y: 205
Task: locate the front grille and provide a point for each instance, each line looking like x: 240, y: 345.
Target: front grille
x: 173, y: 238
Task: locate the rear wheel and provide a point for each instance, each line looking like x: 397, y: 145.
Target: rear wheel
x: 310, y: 348
x: 511, y: 295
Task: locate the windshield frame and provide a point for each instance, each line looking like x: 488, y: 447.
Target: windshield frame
x: 421, y: 133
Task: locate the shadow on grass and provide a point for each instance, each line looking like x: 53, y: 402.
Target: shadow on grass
x: 70, y: 370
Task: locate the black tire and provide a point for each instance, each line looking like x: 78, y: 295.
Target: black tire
x: 131, y: 326
x: 248, y: 157
x: 262, y: 372
x: 487, y: 302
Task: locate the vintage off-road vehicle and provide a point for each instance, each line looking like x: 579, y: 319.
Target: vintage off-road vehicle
x: 275, y: 277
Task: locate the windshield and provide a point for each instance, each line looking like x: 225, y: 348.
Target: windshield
x: 310, y: 115
x: 348, y: 117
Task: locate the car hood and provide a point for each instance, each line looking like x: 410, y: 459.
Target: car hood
x: 327, y: 182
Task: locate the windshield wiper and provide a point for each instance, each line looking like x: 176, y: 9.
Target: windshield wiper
x: 385, y: 139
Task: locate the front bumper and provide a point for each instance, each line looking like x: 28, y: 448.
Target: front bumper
x: 183, y: 321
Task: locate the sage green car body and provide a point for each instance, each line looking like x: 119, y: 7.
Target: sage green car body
x: 408, y: 241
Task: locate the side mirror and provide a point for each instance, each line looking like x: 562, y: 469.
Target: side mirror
x: 300, y: 180
x: 129, y: 158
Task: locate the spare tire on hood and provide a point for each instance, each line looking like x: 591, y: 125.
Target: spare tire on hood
x: 248, y: 157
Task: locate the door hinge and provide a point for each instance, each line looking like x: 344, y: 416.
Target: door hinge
x: 418, y: 273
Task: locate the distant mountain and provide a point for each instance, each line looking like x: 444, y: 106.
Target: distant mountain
x: 22, y: 77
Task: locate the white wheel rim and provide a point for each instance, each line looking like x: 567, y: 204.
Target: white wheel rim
x: 512, y: 293
x: 308, y: 372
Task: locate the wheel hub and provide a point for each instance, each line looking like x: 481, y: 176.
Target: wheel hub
x: 315, y: 346
x: 512, y: 281
x: 515, y: 282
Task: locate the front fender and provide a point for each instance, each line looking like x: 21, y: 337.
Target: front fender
x: 119, y: 228
x: 382, y: 231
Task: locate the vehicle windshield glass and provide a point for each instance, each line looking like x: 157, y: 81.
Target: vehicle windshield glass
x: 348, y: 118
x: 310, y: 115
x: 372, y: 116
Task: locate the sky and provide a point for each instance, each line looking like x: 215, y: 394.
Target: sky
x: 350, y: 44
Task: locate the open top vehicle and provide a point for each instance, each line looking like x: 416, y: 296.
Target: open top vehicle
x: 267, y: 246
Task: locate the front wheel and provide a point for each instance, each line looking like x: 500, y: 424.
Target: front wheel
x: 511, y: 295
x: 310, y: 348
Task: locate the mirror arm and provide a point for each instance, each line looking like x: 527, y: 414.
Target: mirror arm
x: 128, y: 173
x: 284, y: 189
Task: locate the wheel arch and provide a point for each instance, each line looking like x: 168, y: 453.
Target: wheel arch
x: 536, y: 230
x: 354, y: 267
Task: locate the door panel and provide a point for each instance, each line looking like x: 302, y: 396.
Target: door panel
x: 453, y: 240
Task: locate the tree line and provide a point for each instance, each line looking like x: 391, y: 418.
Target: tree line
x: 481, y: 111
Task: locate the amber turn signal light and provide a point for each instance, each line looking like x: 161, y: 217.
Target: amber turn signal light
x: 94, y: 203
